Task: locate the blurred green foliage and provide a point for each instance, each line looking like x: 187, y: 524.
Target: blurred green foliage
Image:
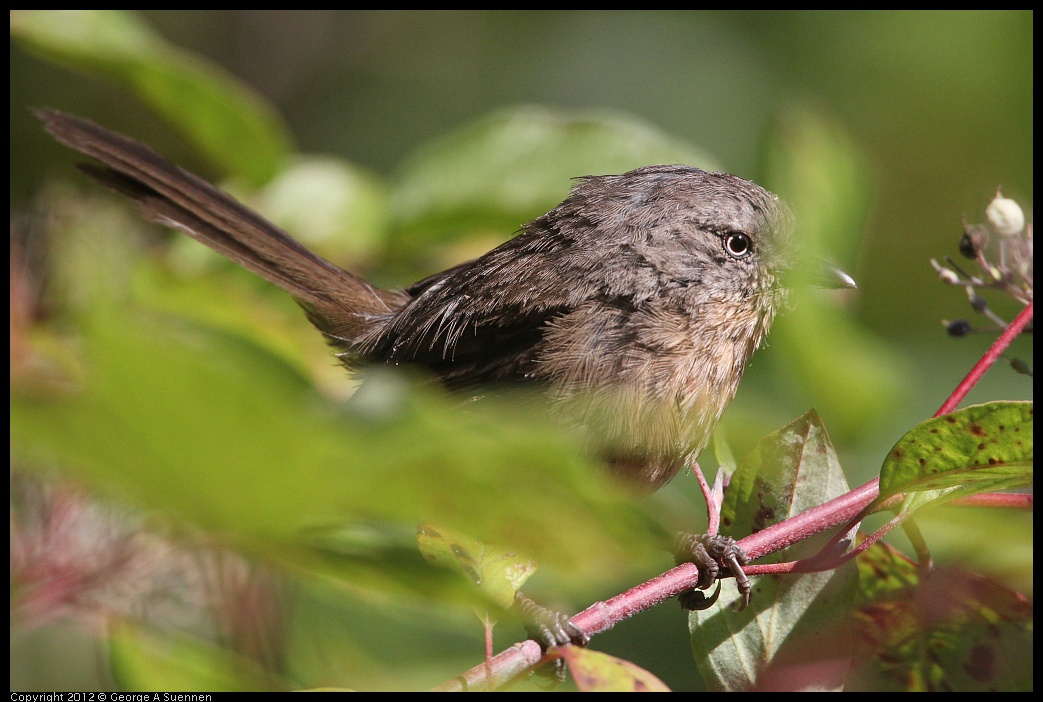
x: 211, y: 108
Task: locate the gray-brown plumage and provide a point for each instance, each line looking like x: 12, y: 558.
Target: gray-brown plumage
x: 636, y: 302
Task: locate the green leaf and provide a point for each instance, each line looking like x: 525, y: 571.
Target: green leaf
x: 498, y: 573
x: 789, y: 471
x: 974, y: 449
x: 509, y: 167
x: 230, y: 124
x: 594, y: 671
x: 330, y: 205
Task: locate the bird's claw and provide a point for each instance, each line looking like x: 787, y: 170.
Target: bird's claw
x: 696, y: 601
x: 547, y: 626
x: 709, y: 552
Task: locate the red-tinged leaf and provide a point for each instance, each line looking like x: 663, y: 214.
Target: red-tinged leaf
x: 954, y: 631
x: 594, y: 671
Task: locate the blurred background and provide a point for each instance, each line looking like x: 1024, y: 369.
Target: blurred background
x: 920, y: 116
x: 938, y: 107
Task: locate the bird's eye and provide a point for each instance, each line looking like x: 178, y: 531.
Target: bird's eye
x: 737, y: 244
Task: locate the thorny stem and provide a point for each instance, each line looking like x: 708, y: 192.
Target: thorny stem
x: 847, y: 510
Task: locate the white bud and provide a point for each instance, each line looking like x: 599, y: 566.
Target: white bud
x: 947, y: 276
x: 1005, y: 215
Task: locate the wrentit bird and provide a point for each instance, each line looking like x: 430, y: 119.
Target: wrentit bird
x: 636, y: 302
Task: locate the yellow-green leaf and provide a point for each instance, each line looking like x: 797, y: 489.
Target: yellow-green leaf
x: 497, y: 572
x: 977, y: 448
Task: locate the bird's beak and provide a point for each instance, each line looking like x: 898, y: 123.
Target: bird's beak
x: 826, y: 275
